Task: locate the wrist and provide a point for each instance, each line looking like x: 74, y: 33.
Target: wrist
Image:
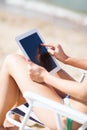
x: 66, y: 59
x: 47, y: 78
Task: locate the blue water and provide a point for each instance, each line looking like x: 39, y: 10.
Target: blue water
x: 60, y: 8
x: 74, y: 5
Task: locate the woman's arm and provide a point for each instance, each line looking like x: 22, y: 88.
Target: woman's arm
x: 76, y: 62
x: 75, y: 89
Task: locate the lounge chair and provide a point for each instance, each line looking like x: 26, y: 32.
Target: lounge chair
x: 59, y: 109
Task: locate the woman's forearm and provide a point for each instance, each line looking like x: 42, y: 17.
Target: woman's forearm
x: 76, y: 62
x: 72, y: 88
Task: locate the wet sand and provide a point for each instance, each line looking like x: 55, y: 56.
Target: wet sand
x: 71, y: 36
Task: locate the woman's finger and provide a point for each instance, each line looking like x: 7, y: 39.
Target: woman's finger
x: 51, y: 52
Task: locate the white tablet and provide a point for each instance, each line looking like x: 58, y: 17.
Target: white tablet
x: 30, y: 44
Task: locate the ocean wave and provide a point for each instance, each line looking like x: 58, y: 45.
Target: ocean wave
x: 51, y: 10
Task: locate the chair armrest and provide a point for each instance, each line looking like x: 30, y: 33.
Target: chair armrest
x: 61, y: 109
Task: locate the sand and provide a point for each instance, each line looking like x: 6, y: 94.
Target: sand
x: 72, y: 36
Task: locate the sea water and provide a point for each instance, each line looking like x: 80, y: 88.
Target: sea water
x: 73, y: 10
x: 74, y: 5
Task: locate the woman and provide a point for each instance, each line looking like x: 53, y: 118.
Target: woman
x: 19, y: 75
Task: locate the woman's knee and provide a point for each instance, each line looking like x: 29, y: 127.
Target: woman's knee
x: 12, y: 60
x: 8, y: 60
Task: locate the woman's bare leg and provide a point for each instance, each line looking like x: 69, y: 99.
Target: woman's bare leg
x: 20, y: 100
x: 9, y: 93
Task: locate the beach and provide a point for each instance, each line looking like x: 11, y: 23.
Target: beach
x: 72, y: 36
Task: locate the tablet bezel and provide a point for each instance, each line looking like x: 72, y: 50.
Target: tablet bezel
x: 22, y: 36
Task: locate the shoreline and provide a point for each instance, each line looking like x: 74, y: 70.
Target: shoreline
x: 21, y: 11
x: 52, y: 11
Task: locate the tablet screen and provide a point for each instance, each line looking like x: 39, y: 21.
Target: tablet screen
x: 36, y: 52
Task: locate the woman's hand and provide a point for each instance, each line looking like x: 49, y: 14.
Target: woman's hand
x: 36, y: 72
x: 57, y: 52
